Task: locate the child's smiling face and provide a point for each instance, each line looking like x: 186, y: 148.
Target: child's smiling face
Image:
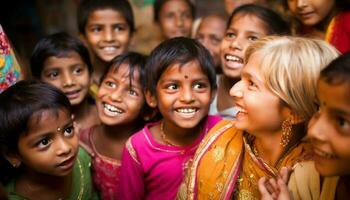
x: 107, y: 34
x: 120, y: 100
x: 183, y: 95
x: 243, y: 30
x: 329, y: 129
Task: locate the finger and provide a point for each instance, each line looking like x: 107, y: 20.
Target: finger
x: 263, y: 190
x: 284, y: 192
x: 273, y: 184
x: 285, y: 174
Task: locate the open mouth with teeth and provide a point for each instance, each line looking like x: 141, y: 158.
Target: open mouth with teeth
x: 110, y: 49
x: 111, y: 110
x: 233, y: 61
x: 239, y: 111
x: 186, y: 112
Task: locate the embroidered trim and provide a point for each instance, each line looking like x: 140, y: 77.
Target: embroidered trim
x: 132, y: 151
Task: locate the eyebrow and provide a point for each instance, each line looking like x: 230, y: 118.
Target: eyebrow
x: 46, y: 134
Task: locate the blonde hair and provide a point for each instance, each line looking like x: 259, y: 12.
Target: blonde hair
x: 291, y: 67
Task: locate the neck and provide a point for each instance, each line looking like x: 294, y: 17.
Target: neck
x: 118, y: 132
x: 181, y: 136
x: 269, y: 148
x: 227, y: 82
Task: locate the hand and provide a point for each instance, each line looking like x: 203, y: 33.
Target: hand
x: 273, y: 189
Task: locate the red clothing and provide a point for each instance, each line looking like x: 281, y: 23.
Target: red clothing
x: 105, y: 170
x: 338, y: 32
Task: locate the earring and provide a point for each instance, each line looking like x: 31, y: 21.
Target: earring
x: 16, y: 165
x: 286, y: 132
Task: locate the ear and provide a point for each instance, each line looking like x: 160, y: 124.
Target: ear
x: 294, y: 118
x: 13, y: 158
x: 83, y: 39
x: 150, y: 99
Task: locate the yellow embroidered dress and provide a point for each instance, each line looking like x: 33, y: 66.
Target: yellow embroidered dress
x: 224, y: 166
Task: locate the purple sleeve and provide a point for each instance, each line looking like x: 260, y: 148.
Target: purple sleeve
x: 131, y: 185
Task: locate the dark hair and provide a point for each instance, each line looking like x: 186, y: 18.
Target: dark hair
x: 158, y: 4
x: 87, y: 7
x: 134, y: 60
x: 59, y: 45
x: 178, y: 50
x: 338, y: 71
x: 274, y: 23
x: 18, y: 105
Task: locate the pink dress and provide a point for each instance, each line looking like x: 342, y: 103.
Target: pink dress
x: 105, y: 170
x: 152, y: 170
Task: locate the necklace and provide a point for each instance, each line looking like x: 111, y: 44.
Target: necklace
x: 162, y: 134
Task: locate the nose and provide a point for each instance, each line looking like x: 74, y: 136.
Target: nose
x: 301, y: 3
x: 317, y: 128
x: 236, y: 90
x: 108, y: 34
x: 179, y: 21
x: 187, y: 95
x: 68, y: 80
x: 236, y: 44
x: 63, y: 146
x: 116, y: 95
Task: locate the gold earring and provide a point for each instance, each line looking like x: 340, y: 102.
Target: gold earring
x: 286, y: 132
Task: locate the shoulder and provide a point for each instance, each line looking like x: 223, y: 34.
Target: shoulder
x: 84, y: 140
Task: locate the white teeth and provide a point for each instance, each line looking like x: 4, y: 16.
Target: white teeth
x: 112, y: 110
x: 233, y: 58
x: 239, y: 109
x: 186, y: 110
x: 109, y: 49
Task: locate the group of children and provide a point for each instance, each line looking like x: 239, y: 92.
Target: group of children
x: 106, y: 123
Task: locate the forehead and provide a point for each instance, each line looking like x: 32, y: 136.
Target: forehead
x: 334, y: 94
x: 123, y: 70
x: 175, y: 5
x: 212, y: 24
x: 192, y: 69
x: 253, y: 66
x: 69, y: 57
x: 246, y: 22
x: 47, y: 119
x: 105, y: 16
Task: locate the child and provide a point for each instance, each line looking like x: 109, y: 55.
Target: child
x: 275, y: 100
x: 323, y: 19
x: 106, y: 27
x: 174, y: 17
x: 40, y: 155
x: 120, y: 104
x: 210, y: 33
x: 246, y: 24
x: 63, y: 61
x: 181, y: 83
x: 329, y: 135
